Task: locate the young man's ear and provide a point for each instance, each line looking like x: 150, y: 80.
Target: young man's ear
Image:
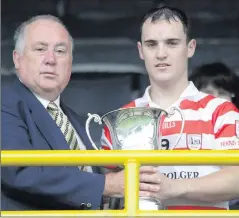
x: 16, y: 57
x: 139, y: 45
x: 191, y: 47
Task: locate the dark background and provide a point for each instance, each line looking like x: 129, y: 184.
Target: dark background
x: 107, y: 72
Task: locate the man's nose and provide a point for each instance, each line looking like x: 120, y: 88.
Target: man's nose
x: 50, y: 58
x: 161, y: 52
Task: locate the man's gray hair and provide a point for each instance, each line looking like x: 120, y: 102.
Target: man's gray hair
x: 19, y: 36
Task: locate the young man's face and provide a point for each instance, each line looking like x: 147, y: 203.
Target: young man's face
x: 165, y: 50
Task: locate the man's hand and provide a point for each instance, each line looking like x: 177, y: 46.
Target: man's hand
x: 114, y: 184
x: 149, y: 181
x: 166, y: 188
x: 148, y: 178
x: 161, y: 187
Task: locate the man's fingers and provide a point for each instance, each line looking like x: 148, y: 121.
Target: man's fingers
x: 149, y: 178
x: 149, y: 187
x: 148, y: 169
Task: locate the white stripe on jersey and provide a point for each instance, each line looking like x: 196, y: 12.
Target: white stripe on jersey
x: 207, y: 143
x: 228, y: 118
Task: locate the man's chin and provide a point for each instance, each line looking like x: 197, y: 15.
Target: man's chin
x: 164, y: 79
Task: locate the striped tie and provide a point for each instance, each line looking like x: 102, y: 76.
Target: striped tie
x: 65, y: 126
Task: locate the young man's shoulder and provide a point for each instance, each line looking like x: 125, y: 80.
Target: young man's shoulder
x: 200, y: 102
x: 205, y: 102
x: 217, y: 103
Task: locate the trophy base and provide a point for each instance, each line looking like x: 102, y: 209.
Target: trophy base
x: 147, y: 203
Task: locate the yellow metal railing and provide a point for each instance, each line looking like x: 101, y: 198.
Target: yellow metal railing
x: 132, y: 161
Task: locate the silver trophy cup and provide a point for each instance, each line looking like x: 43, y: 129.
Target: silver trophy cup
x: 136, y: 128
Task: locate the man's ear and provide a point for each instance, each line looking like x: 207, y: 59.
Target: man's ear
x: 139, y: 45
x: 191, y: 47
x: 16, y: 58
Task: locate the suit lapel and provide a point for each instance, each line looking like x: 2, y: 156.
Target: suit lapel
x: 80, y: 130
x: 46, y: 125
x: 74, y: 119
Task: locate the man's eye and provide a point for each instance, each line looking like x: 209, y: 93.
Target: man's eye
x: 151, y: 45
x: 61, y: 51
x: 173, y: 43
x: 40, y: 49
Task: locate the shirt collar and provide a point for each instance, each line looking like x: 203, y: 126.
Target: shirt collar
x: 191, y: 90
x: 46, y: 102
x: 43, y: 101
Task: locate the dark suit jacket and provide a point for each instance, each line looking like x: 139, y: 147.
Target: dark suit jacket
x: 26, y: 125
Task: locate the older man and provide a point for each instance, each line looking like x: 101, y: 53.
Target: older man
x: 34, y: 118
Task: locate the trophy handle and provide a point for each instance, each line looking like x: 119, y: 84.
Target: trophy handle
x: 97, y: 119
x: 170, y: 113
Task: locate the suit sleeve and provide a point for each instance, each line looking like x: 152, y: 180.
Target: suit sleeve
x: 64, y: 186
x: 226, y: 127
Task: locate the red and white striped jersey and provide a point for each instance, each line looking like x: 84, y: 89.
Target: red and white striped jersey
x: 210, y: 124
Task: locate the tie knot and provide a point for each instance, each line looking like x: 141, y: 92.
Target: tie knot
x: 52, y: 107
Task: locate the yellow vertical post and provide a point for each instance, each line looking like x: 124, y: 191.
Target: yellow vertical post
x: 132, y: 187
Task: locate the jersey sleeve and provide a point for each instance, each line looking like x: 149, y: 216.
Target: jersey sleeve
x: 226, y: 126
x: 106, y: 142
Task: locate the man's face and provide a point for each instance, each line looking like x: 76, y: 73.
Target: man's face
x: 44, y: 65
x: 165, y: 50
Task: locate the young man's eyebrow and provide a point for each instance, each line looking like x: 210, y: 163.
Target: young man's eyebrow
x: 150, y: 41
x: 173, y: 39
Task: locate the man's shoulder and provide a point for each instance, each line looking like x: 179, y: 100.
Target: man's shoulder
x: 13, y: 100
x: 205, y: 102
x: 209, y: 107
x: 9, y: 96
x: 218, y: 103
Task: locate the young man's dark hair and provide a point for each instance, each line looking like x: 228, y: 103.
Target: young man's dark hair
x: 168, y: 13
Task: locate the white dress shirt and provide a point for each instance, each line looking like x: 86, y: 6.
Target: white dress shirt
x: 45, y: 103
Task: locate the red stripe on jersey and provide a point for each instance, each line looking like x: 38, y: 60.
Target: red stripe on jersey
x: 105, y: 147
x: 194, y: 208
x: 227, y: 130
x: 107, y: 134
x: 195, y: 105
x: 131, y: 104
x: 191, y: 127
x: 223, y: 109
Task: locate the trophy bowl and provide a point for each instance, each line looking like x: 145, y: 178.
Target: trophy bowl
x: 135, y: 128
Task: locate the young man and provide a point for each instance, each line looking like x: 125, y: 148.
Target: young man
x: 210, y: 123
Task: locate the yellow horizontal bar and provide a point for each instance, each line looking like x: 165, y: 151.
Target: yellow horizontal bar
x: 73, y: 158
x: 102, y: 213
x: 64, y: 213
